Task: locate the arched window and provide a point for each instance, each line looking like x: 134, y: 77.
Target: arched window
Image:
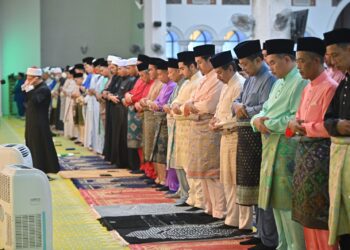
x: 199, y: 37
x: 172, y: 44
x: 232, y: 38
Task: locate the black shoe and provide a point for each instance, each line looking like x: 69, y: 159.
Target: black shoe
x: 73, y: 138
x: 218, y: 219
x: 192, y: 209
x: 164, y: 188
x: 150, y: 182
x: 245, y: 231
x: 170, y: 192
x: 144, y: 177
x: 227, y: 227
x: 261, y: 246
x: 136, y: 171
x: 50, y: 178
x: 252, y: 241
x: 157, y: 185
x: 206, y: 215
x: 182, y: 205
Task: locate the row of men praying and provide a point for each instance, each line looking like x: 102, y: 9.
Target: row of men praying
x: 225, y: 143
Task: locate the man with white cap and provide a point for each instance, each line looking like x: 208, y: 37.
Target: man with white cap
x: 134, y: 119
x: 37, y: 130
x: 119, y: 150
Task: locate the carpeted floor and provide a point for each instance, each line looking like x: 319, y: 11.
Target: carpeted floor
x: 139, y: 209
x: 74, y: 221
x: 138, y: 229
x: 107, y: 197
x: 108, y: 183
x: 96, y: 173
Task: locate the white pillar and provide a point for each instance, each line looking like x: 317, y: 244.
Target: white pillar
x: 154, y: 11
x: 265, y: 13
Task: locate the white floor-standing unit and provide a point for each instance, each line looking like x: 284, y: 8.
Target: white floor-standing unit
x: 25, y: 209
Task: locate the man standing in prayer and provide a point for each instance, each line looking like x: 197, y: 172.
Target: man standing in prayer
x: 204, y: 160
x: 190, y: 190
x: 149, y: 127
x: 310, y: 181
x: 141, y: 89
x: 255, y: 92
x: 38, y: 136
x: 175, y: 76
x: 69, y: 87
x: 237, y: 216
x: 78, y: 97
x: 119, y: 148
x: 337, y: 123
x: 278, y: 152
x: 160, y: 143
x: 110, y: 114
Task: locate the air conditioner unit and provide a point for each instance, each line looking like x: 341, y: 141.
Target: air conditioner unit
x: 25, y: 209
x: 15, y: 154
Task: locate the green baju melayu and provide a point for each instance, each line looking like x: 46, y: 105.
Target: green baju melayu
x: 278, y: 154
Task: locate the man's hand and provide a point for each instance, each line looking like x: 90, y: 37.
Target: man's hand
x: 296, y: 127
x: 167, y: 109
x: 128, y: 99
x: 343, y: 127
x: 240, y: 110
x: 190, y: 108
x: 138, y: 107
x: 153, y: 106
x: 143, y: 102
x: 124, y: 102
x: 176, y: 109
x: 114, y: 99
x: 213, y: 124
x: 260, y: 125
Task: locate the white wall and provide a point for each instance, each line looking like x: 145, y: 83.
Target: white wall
x: 105, y: 27
x: 186, y: 17
x: 20, y: 43
x: 216, y: 18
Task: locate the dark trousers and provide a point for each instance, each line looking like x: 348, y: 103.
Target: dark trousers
x: 266, y: 227
x: 134, y: 158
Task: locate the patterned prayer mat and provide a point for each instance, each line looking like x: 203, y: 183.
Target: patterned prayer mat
x: 138, y: 229
x: 228, y: 244
x: 98, y: 173
x: 139, y: 209
x: 110, y: 183
x: 105, y: 197
x: 84, y: 163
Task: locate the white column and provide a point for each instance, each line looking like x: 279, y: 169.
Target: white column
x: 154, y: 11
x: 264, y: 13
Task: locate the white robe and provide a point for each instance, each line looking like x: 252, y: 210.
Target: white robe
x: 99, y: 130
x: 91, y: 112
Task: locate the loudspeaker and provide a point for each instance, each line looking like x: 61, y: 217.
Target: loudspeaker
x: 157, y: 24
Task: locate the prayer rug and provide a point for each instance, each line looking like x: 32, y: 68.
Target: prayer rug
x: 110, y: 183
x: 84, y: 163
x: 138, y: 229
x: 102, y: 197
x: 98, y: 173
x: 228, y: 244
x: 139, y: 209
